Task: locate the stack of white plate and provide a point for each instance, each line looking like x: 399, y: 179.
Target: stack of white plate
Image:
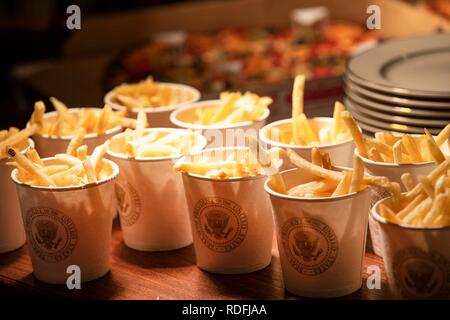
x: 401, y: 85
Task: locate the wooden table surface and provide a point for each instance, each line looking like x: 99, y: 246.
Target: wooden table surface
x: 162, y: 275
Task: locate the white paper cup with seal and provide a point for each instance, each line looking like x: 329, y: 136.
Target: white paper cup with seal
x: 48, y: 146
x: 231, y: 219
x: 221, y: 134
x: 393, y: 172
x: 321, y: 240
x: 416, y: 260
x: 152, y: 207
x: 12, y: 234
x: 341, y: 153
x: 68, y: 226
x: 158, y: 117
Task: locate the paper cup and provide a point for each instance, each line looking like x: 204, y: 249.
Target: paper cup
x: 159, y: 116
x: 12, y: 234
x: 217, y: 135
x: 48, y: 146
x: 393, y: 172
x: 321, y: 241
x: 341, y: 153
x: 231, y: 220
x: 416, y: 260
x: 152, y: 207
x: 68, y: 226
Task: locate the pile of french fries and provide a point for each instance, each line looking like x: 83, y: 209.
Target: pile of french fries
x: 148, y: 94
x: 234, y: 107
x: 138, y: 143
x: 328, y: 182
x: 426, y: 202
x: 304, y: 132
x: 399, y: 149
x: 67, y: 123
x: 73, y: 168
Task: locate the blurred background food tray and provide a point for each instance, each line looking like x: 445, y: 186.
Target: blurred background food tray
x: 92, y: 58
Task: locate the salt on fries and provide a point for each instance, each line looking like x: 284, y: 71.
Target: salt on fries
x: 14, y: 137
x: 65, y: 169
x: 138, y: 143
x: 328, y: 182
x: 304, y: 132
x: 148, y: 94
x: 67, y: 123
x: 405, y: 149
x: 234, y: 107
x: 425, y: 204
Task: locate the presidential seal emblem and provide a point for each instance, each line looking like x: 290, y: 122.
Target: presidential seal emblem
x: 220, y: 223
x: 128, y: 203
x: 52, y: 234
x: 421, y: 275
x: 310, y: 245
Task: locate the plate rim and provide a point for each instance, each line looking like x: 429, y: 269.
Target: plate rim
x: 400, y: 42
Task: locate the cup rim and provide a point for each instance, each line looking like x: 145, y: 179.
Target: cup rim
x: 274, y: 143
x: 121, y: 156
x: 272, y: 192
x: 206, y: 103
x: 113, y: 176
x: 380, y: 219
x: 68, y: 138
x: 236, y: 179
x: 197, y: 95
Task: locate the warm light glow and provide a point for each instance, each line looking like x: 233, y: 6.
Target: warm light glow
x: 403, y: 109
x: 398, y: 126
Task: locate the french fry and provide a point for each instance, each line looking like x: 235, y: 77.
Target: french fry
x: 316, y: 157
x: 311, y: 188
x: 397, y: 151
x: 104, y: 119
x: 89, y: 171
x: 388, y: 214
x: 344, y: 185
x: 337, y: 118
x: 263, y: 158
x: 427, y: 186
x: 355, y: 132
x: 297, y: 95
x: 326, y: 161
x: 55, y: 168
x: 440, y: 170
x: 408, y: 181
x: 374, y: 155
x: 63, y: 111
x: 75, y: 142
x: 33, y: 155
x: 313, y: 169
x: 411, y: 147
x: 433, y: 148
x: 81, y: 152
x: 443, y: 136
x: 357, y: 176
x: 383, y: 149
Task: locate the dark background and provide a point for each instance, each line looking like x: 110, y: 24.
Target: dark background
x: 32, y: 30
